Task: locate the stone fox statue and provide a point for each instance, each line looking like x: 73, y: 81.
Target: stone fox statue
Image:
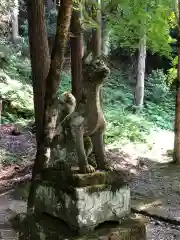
x: 88, y: 119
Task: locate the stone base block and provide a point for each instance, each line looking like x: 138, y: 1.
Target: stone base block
x: 80, y: 205
x: 42, y: 227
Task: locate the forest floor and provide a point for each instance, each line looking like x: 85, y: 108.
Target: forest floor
x: 16, y: 157
x: 152, y: 177
x: 154, y: 182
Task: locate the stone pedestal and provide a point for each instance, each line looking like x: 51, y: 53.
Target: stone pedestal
x: 40, y: 227
x: 83, y: 201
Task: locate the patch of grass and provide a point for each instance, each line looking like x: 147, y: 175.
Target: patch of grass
x: 124, y: 125
x: 161, y: 116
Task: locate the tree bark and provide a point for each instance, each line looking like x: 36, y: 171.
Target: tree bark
x: 105, y: 39
x: 96, y: 33
x: 77, y: 53
x: 51, y: 95
x: 15, y: 25
x: 176, y: 155
x: 0, y: 110
x: 39, y: 54
x: 97, y: 39
x: 139, y: 91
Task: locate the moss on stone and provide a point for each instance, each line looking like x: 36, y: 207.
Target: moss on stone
x: 77, y: 180
x: 97, y: 188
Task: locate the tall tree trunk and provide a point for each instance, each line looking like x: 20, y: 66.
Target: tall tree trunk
x: 40, y: 60
x: 51, y: 95
x: 97, y: 42
x: 97, y: 38
x: 77, y: 53
x: 139, y: 91
x: 105, y: 39
x: 15, y: 25
x: 96, y: 33
x: 0, y: 110
x: 176, y: 155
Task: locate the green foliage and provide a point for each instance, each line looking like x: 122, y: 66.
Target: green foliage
x: 158, y: 32
x: 156, y: 89
x: 65, y: 83
x: 157, y: 113
x: 25, y: 39
x: 159, y: 100
x: 172, y: 72
x: 161, y: 115
x: 136, y: 18
x: 126, y: 126
x: 15, y: 84
x: 122, y: 124
x: 172, y: 75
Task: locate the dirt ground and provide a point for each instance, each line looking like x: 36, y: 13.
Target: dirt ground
x: 155, y: 183
x: 16, y: 157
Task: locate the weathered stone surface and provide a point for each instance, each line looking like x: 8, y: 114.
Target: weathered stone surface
x: 42, y: 227
x: 118, y: 178
x: 84, y: 208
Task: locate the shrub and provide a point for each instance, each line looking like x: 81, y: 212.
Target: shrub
x: 121, y: 123
x: 15, y: 84
x: 159, y: 100
x: 156, y: 89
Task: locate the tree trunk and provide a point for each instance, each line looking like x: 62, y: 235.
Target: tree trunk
x: 96, y: 33
x: 139, y: 91
x: 176, y: 155
x: 40, y: 60
x: 0, y: 110
x: 77, y: 53
x: 15, y: 25
x: 105, y: 39
x: 97, y: 39
x: 51, y: 95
